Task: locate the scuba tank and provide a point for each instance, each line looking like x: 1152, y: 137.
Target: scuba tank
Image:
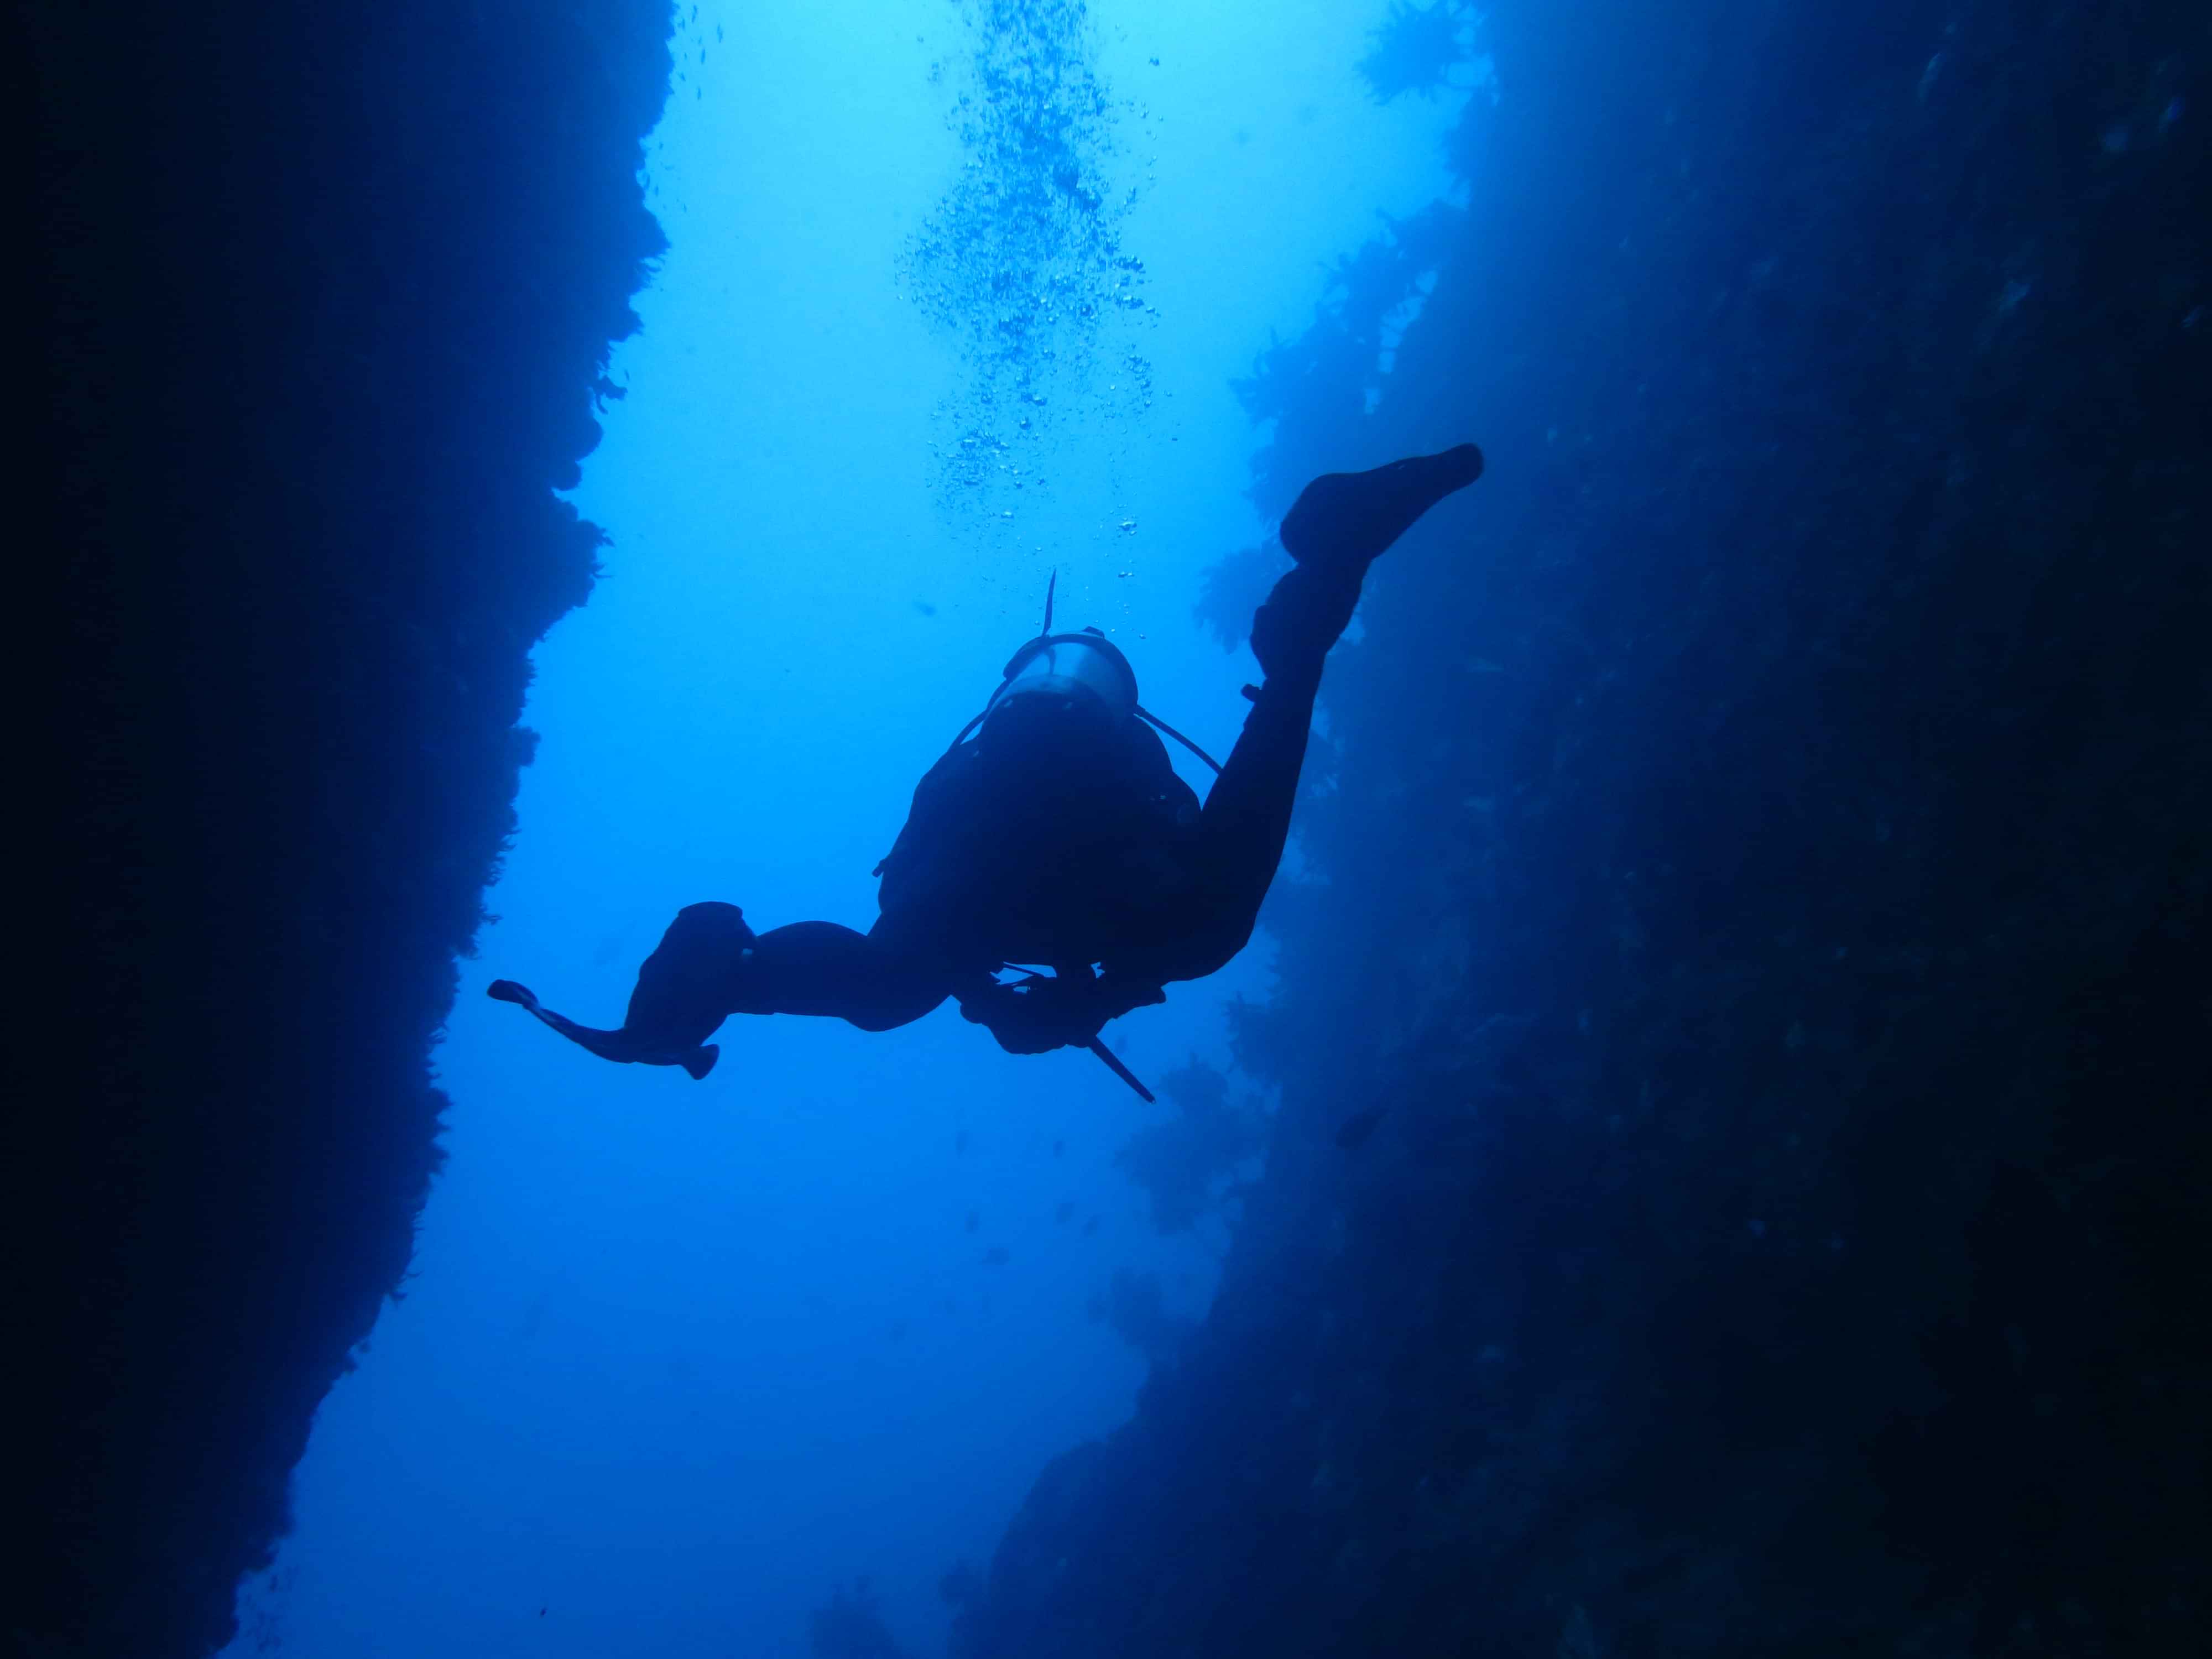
x: 1055, y: 677
x: 1060, y: 702
x: 1052, y: 688
x: 1074, y: 670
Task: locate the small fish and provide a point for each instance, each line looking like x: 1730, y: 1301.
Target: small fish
x: 1353, y: 1135
x: 924, y: 607
x: 1090, y: 1226
x: 960, y: 1143
x: 1067, y: 1209
x: 1057, y: 1147
x: 997, y: 1257
x: 974, y: 1219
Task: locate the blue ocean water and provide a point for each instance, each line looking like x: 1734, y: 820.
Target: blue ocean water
x: 957, y: 298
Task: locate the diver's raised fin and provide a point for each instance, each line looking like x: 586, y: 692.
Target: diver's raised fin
x: 1050, y: 582
x: 1349, y: 518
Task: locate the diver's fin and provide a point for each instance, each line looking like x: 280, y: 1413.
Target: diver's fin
x: 506, y: 990
x: 1349, y: 518
x: 617, y: 1046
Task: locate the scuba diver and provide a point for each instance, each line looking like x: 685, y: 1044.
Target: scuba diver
x: 1053, y: 833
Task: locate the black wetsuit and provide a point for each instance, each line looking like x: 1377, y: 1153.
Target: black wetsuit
x: 1042, y: 842
x: 1020, y: 849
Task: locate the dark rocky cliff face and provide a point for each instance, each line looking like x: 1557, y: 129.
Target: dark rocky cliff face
x: 317, y: 299
x: 1774, y: 910
x: 1774, y: 913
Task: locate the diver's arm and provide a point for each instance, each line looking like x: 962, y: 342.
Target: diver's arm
x: 1037, y: 1015
x: 1118, y: 993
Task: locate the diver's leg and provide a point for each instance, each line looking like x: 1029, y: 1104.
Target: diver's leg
x: 685, y: 987
x: 1340, y: 523
x: 1239, y: 838
x: 683, y: 991
x: 709, y: 965
x: 820, y: 967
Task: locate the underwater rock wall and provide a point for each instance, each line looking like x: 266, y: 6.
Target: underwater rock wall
x: 1772, y: 911
x: 317, y: 298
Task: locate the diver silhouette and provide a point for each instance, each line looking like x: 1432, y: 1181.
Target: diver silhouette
x: 1053, y: 832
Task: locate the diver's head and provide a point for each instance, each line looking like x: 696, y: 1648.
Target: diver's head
x: 1059, y: 686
